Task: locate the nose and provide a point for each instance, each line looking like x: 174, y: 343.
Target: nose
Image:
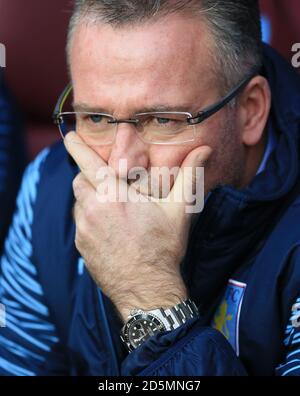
x: 129, y: 147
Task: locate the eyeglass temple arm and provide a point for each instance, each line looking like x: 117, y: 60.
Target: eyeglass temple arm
x: 210, y: 110
x: 61, y: 101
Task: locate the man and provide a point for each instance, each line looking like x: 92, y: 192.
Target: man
x: 190, y: 294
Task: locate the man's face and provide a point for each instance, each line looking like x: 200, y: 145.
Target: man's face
x: 167, y: 63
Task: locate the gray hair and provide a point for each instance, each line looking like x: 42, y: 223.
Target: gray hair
x: 234, y: 25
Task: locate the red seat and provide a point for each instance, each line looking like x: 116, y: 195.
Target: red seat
x: 285, y: 24
x: 34, y: 33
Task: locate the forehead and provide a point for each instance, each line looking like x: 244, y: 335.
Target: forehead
x: 164, y: 59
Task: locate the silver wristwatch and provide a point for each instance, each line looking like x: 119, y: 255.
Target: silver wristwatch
x: 142, y: 325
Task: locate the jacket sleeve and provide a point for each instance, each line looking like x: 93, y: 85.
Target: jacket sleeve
x: 190, y: 350
x: 28, y: 337
x: 291, y: 365
x: 12, y: 158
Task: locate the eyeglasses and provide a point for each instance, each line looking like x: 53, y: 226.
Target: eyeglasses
x: 164, y: 128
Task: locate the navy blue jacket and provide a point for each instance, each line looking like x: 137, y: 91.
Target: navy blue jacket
x: 242, y: 268
x: 12, y: 158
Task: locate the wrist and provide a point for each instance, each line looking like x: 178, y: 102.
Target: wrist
x: 152, y: 292
x: 153, y: 302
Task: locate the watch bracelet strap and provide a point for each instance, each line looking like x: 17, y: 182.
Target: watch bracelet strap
x: 171, y: 318
x: 179, y: 314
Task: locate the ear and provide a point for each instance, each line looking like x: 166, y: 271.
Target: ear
x: 253, y: 110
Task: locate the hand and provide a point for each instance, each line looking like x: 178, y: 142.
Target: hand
x: 132, y: 250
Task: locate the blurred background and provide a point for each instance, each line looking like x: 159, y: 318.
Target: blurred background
x: 34, y: 33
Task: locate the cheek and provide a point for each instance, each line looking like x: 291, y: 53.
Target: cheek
x: 169, y: 156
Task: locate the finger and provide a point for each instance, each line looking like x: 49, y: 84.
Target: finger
x: 75, y: 211
x: 79, y: 184
x: 78, y: 216
x: 83, y: 191
x: 189, y: 179
x: 88, y: 161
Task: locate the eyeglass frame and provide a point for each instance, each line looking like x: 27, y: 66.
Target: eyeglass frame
x: 201, y: 116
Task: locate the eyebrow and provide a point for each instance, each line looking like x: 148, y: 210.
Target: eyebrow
x: 82, y: 107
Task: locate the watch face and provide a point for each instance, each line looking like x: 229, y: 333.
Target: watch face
x: 141, y: 327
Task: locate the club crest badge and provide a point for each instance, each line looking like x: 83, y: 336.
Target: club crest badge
x: 227, y: 316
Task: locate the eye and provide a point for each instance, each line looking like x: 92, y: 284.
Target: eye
x: 162, y: 121
x: 96, y: 118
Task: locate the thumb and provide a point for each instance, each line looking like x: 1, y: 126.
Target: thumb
x: 190, y: 179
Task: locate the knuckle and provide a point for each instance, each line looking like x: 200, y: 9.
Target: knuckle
x: 90, y: 213
x: 78, y: 242
x: 77, y: 182
x: 80, y: 236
